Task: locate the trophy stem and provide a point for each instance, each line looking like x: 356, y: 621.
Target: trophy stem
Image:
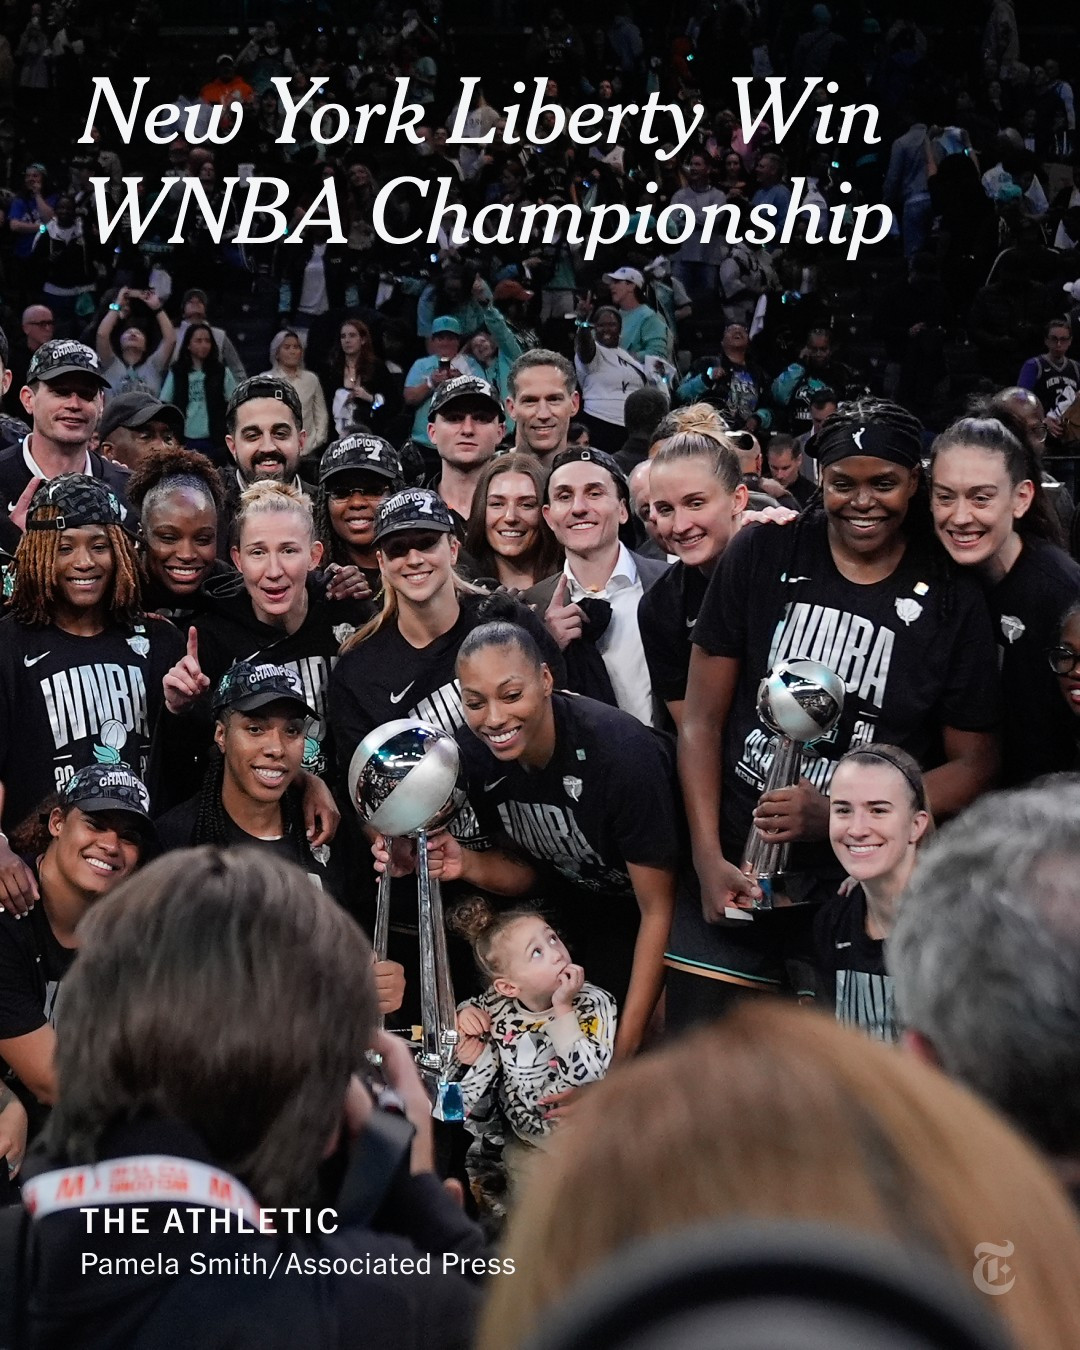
x: 438, y: 1012
x: 764, y: 860
x: 380, y: 938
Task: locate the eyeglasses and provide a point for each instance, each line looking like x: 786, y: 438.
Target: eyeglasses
x: 1063, y: 660
x: 369, y: 493
x: 401, y: 547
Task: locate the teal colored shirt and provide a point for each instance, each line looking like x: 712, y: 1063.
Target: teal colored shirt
x: 644, y: 333
x: 196, y: 414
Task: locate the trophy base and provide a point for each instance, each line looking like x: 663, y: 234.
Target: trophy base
x: 777, y: 892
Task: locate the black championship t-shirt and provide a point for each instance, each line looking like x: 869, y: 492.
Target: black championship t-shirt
x: 68, y: 701
x: 32, y: 964
x: 608, y: 797
x: 853, y: 964
x: 229, y: 631
x: 386, y: 677
x: 176, y: 829
x: 1027, y: 606
x: 909, y: 667
x: 667, y: 614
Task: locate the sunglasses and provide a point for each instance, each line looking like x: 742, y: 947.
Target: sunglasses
x: 1063, y: 660
x: 400, y: 546
x: 372, y: 491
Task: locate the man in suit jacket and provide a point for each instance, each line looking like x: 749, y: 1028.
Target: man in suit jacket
x: 586, y: 504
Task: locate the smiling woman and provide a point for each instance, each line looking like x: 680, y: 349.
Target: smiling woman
x: 80, y: 663
x: 79, y: 846
x: 859, y: 583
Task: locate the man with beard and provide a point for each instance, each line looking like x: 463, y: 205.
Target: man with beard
x: 264, y: 432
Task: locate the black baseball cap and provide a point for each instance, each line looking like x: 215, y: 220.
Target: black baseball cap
x: 265, y: 386
x: 463, y: 386
x: 362, y: 453
x: 248, y: 685
x: 109, y: 787
x: 588, y: 454
x: 79, y: 500
x: 135, y: 409
x: 65, y: 356
x: 413, y: 509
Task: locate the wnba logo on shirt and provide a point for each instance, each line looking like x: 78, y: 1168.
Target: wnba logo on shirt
x: 83, y: 700
x: 548, y: 831
x: 442, y: 708
x: 847, y: 643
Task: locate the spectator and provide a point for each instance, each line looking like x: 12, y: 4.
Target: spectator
x: 287, y: 363
x: 785, y: 457
x: 201, y: 387
x: 606, y: 375
x: 809, y: 1109
x: 643, y: 411
x: 985, y: 939
x: 644, y: 332
x: 272, y: 992
x: 135, y: 425
x: 194, y: 310
x: 445, y: 359
x: 1054, y: 377
x: 136, y: 367
x: 696, y: 263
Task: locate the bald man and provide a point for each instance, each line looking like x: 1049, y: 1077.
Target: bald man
x: 38, y: 326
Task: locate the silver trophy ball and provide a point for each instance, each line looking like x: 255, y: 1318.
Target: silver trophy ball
x: 406, y: 777
x: 801, y: 699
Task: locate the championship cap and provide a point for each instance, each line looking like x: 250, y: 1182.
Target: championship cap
x: 79, y: 500
x: 248, y: 685
x: 362, y: 453
x: 109, y: 787
x: 65, y: 356
x: 413, y: 509
x: 463, y: 386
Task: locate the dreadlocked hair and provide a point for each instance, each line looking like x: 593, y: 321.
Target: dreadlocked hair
x: 212, y: 822
x: 482, y: 925
x: 334, y: 548
x: 919, y: 521
x: 34, y: 596
x: 162, y: 471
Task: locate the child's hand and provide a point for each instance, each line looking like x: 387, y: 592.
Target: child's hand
x: 469, y: 1049
x: 570, y: 984
x: 473, y: 1020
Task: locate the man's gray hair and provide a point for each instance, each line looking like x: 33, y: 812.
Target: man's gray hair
x: 985, y: 955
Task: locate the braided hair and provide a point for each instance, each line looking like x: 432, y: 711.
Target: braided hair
x: 212, y: 822
x: 334, y: 547
x: 34, y: 596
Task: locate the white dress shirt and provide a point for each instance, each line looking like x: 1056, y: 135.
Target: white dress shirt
x: 620, y: 647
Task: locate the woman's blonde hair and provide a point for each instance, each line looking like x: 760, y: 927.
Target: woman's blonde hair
x: 389, y: 609
x: 701, y: 418
x: 778, y: 1113
x: 272, y: 496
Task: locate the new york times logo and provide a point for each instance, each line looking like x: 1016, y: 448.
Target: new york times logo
x: 992, y: 1273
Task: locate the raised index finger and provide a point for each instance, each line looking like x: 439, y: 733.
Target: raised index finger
x: 193, y: 644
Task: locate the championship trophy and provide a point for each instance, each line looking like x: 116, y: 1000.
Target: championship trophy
x: 801, y: 701
x: 404, y: 780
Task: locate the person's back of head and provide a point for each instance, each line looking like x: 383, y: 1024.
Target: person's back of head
x: 644, y: 409
x: 775, y: 1112
x: 985, y: 957
x: 225, y: 991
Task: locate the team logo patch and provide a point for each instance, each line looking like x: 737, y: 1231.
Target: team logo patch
x: 139, y: 645
x: 1011, y: 627
x: 113, y: 736
x: 908, y: 610
x: 573, y: 787
x: 342, y: 632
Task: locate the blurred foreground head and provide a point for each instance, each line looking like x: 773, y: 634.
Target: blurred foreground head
x: 226, y: 991
x: 779, y: 1113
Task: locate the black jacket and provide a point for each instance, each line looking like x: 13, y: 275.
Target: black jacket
x: 163, y: 1306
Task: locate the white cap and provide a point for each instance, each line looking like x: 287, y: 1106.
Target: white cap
x: 625, y: 274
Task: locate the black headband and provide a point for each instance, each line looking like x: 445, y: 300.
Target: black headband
x: 873, y: 752
x: 873, y: 439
